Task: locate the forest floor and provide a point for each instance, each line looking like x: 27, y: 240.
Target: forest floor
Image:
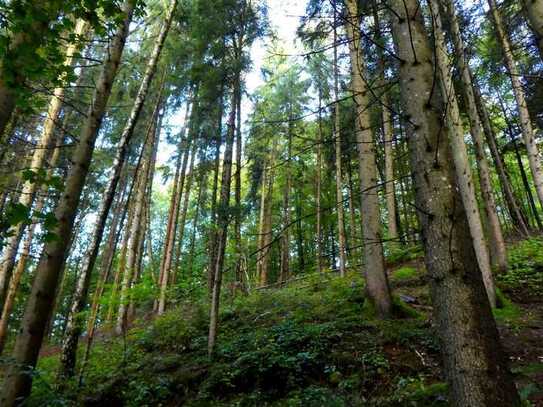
x: 313, y: 343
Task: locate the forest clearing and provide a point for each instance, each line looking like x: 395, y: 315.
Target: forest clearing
x: 271, y: 203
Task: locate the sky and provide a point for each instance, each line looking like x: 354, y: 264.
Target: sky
x: 284, y: 17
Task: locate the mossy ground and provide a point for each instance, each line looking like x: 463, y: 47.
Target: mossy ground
x: 314, y: 343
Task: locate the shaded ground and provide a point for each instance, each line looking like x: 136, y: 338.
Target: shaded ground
x: 314, y: 343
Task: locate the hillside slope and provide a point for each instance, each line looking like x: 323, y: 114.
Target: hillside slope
x: 314, y: 343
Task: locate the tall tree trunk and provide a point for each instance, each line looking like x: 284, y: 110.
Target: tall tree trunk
x: 377, y: 286
x: 115, y: 229
x: 464, y: 178
x: 285, y: 235
x: 338, y: 162
x: 223, y: 218
x: 45, y: 144
x: 388, y: 135
x: 73, y: 326
x: 528, y: 134
x: 318, y: 192
x: 17, y: 383
x: 184, y: 209
x: 171, y: 227
x: 475, y: 365
x: 497, y: 243
x: 512, y: 204
x: 20, y: 48
x: 534, y: 14
x: 212, y: 233
x: 130, y: 271
x: 238, y: 214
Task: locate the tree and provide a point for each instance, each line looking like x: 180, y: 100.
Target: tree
x: 39, y: 306
x: 374, y: 268
x: 475, y: 366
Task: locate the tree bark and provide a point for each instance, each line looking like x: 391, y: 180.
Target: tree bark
x: 474, y: 363
x: 497, y: 243
x: 340, y: 208
x: 135, y: 225
x: 377, y: 287
x: 223, y: 218
x: 171, y: 227
x: 464, y: 178
x: 45, y: 144
x: 534, y: 15
x: 528, y: 134
x: 507, y: 190
x: 17, y: 383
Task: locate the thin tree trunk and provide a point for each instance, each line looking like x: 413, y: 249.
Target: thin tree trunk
x: 130, y: 272
x: 119, y: 215
x: 212, y: 233
x: 172, y: 220
x: 223, y: 218
x: 377, y: 286
x: 129, y: 275
x: 39, y: 157
x: 238, y: 214
x: 388, y: 136
x: 17, y: 383
x: 497, y: 243
x: 338, y: 162
x: 474, y: 363
x: 464, y: 178
x: 285, y: 236
x: 534, y: 15
x: 319, y: 189
x: 184, y: 209
x: 73, y: 326
x: 507, y: 190
x: 528, y: 134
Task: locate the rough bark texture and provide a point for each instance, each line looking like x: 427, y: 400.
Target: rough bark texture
x: 134, y: 243
x: 45, y: 144
x: 534, y: 14
x: 513, y: 206
x: 340, y: 208
x: 377, y: 286
x: 496, y: 240
x: 474, y: 362
x: 222, y: 220
x: 532, y: 150
x: 17, y: 383
x: 172, y: 220
x: 464, y: 178
x: 319, y: 191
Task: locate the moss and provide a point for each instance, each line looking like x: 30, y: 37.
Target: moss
x: 405, y: 273
x: 508, y: 313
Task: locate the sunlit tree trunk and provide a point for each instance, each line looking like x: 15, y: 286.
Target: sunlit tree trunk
x: 464, y: 178
x: 474, y: 363
x: 532, y: 150
x: 496, y: 240
x: 183, y: 215
x: 133, y: 246
x: 17, y: 383
x: 223, y: 218
x: 171, y: 227
x: 340, y: 208
x: 44, y: 146
x: 513, y: 206
x: 285, y: 235
x: 388, y: 135
x: 374, y: 268
x: 318, y: 192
